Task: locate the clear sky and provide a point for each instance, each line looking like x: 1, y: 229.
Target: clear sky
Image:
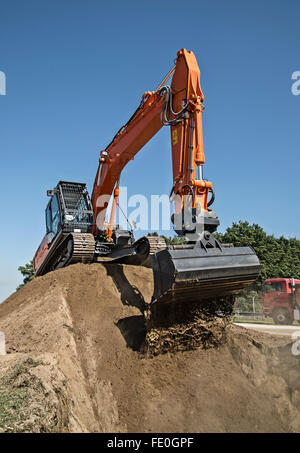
x: 76, y: 70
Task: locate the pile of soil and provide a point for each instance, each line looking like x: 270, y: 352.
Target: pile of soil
x: 77, y: 362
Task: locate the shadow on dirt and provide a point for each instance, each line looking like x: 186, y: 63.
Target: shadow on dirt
x: 133, y: 330
x: 130, y: 295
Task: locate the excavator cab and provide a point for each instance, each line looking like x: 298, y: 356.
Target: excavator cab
x: 69, y: 208
x: 69, y: 221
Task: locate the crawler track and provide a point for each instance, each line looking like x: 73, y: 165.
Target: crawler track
x: 154, y: 244
x: 68, y: 249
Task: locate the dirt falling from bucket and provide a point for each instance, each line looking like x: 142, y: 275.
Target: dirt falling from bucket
x: 183, y: 327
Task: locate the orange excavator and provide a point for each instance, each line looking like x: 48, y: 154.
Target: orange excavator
x: 201, y: 268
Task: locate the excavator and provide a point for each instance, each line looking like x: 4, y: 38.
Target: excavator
x: 201, y: 267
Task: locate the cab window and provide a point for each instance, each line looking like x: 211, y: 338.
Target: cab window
x: 272, y: 286
x: 48, y: 218
x: 297, y: 285
x: 54, y: 214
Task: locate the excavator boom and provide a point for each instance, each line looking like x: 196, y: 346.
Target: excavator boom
x: 179, y: 106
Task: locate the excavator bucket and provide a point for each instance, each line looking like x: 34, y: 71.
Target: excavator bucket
x: 197, y: 274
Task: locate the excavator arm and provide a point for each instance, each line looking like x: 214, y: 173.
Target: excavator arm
x: 180, y: 107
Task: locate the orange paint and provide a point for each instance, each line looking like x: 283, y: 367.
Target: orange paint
x: 186, y: 138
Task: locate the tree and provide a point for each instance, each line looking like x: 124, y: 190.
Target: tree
x: 27, y: 272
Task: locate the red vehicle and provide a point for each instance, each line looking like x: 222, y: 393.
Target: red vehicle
x: 281, y: 300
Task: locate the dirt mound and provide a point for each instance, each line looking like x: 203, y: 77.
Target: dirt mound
x: 74, y: 340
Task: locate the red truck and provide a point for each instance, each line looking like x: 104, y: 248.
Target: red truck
x: 281, y: 300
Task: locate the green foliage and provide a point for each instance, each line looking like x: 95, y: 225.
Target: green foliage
x: 175, y: 240
x: 244, y: 300
x: 27, y: 272
x: 280, y: 257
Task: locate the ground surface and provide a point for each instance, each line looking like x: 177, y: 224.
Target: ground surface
x: 74, y: 364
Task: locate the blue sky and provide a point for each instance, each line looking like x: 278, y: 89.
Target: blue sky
x: 76, y: 70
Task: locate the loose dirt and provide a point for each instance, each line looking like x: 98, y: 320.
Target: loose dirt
x: 77, y: 362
